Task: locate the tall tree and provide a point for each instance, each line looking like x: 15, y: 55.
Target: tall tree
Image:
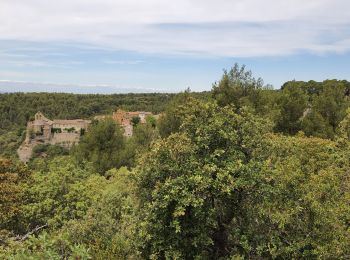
x: 192, y: 182
x: 331, y: 103
x: 171, y: 120
x: 238, y: 87
x: 102, y: 145
x: 293, y: 102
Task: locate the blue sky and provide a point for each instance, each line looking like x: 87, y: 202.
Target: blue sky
x: 105, y: 46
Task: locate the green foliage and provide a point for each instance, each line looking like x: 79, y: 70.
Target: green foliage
x: 238, y: 87
x: 332, y: 104
x: 143, y: 135
x: 151, y: 120
x: 16, y: 109
x: 60, y: 190
x: 12, y: 180
x: 46, y: 246
x: 56, y: 130
x: 82, y: 131
x: 109, y: 225
x: 70, y: 130
x: 344, y: 127
x: 10, y: 141
x: 343, y: 133
x: 72, y: 106
x: 187, y: 180
x: 292, y: 104
x: 104, y: 231
x: 208, y: 180
x: 170, y: 121
x: 48, y: 151
x: 313, y: 124
x: 103, y: 145
x: 223, y: 188
x: 301, y: 203
x: 139, y: 143
x: 316, y: 108
x: 135, y: 120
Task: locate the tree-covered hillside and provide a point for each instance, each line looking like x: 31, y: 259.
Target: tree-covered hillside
x: 17, y: 108
x: 242, y: 172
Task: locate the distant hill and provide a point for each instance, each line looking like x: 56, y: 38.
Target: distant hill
x: 7, y: 86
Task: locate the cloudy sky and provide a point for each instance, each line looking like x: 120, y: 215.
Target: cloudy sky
x: 109, y: 46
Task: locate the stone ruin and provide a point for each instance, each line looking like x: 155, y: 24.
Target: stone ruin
x: 45, y: 131
x: 124, y: 119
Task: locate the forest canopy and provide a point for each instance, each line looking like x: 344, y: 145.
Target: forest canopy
x: 241, y: 172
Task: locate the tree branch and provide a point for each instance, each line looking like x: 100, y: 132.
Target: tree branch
x: 24, y: 237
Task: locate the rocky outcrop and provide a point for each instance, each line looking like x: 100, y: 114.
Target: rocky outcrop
x: 25, y: 152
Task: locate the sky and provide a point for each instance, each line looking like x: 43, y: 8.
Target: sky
x: 113, y: 46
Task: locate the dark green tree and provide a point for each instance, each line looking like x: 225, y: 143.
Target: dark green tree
x: 135, y: 120
x: 313, y: 124
x: 331, y: 103
x: 223, y: 187
x: 293, y: 102
x: 171, y: 120
x: 13, y: 178
x: 191, y: 184
x: 102, y: 145
x: 238, y: 87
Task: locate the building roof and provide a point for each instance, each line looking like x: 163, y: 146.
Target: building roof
x: 45, y: 121
x: 73, y: 121
x: 131, y: 113
x: 42, y: 122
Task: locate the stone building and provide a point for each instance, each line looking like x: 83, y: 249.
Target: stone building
x: 45, y: 131
x: 125, y: 119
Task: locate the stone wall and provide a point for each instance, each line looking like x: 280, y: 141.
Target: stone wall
x: 124, y: 119
x: 65, y: 139
x: 67, y: 124
x: 40, y: 131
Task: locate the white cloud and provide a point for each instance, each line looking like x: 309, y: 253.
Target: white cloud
x: 221, y: 27
x: 21, y: 60
x: 123, y: 62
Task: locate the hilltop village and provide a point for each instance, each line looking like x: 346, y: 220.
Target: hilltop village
x: 65, y: 133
